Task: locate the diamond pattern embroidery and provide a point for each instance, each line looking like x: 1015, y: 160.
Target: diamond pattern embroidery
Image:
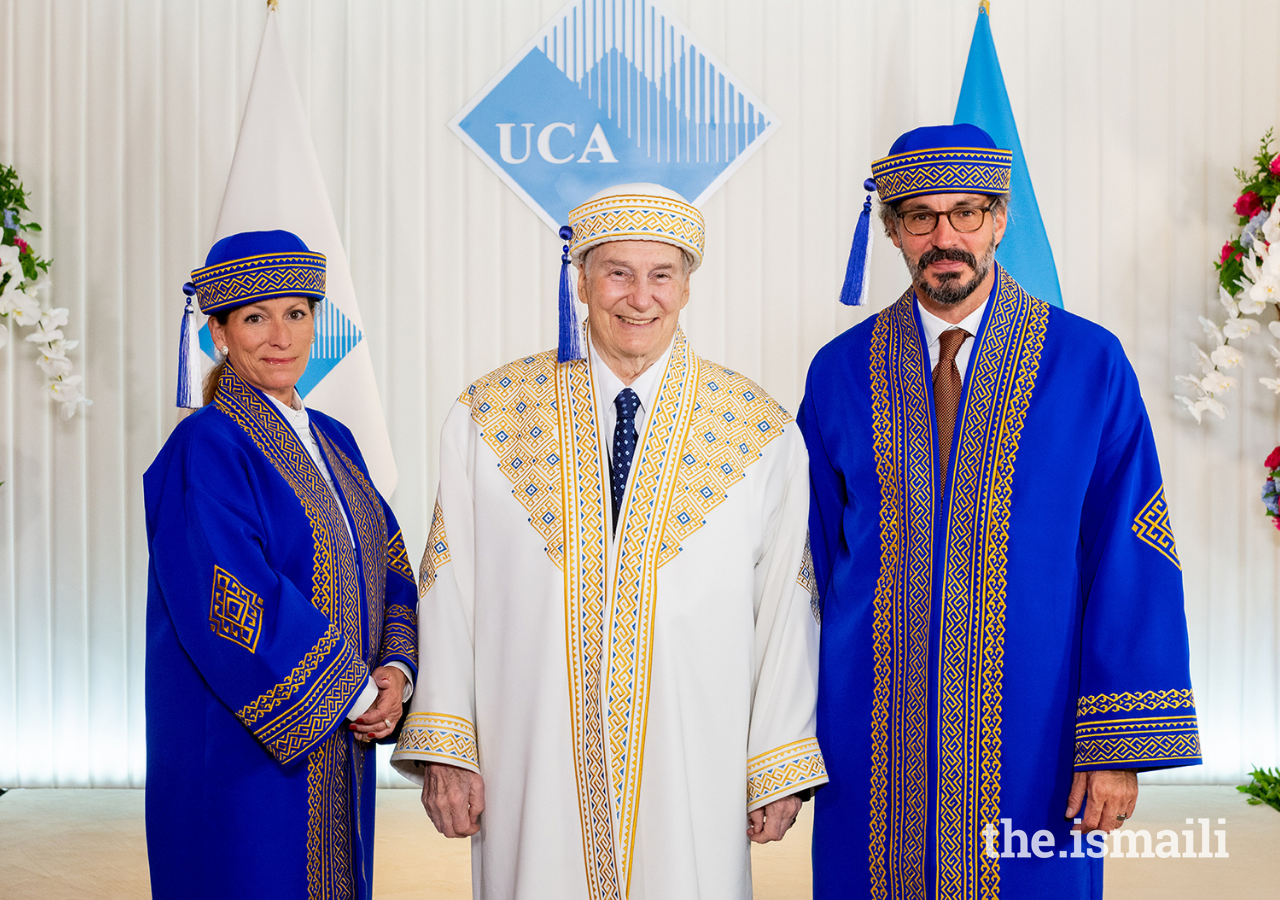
x: 235, y: 612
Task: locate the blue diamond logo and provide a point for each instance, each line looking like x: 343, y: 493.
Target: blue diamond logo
x: 613, y: 92
x: 335, y: 337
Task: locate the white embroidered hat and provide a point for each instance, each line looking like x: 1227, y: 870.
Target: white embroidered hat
x: 637, y: 212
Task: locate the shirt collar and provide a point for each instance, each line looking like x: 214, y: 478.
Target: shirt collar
x: 293, y: 413
x: 610, y: 385
x: 933, y: 326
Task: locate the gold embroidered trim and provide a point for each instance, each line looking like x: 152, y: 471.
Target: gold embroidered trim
x: 443, y: 738
x: 436, y: 556
x: 785, y: 771
x: 1151, y: 525
x: 1097, y: 704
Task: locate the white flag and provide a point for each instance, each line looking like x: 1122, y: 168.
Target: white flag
x: 275, y: 182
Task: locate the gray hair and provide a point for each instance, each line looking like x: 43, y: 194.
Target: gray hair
x: 889, y: 211
x: 585, y: 264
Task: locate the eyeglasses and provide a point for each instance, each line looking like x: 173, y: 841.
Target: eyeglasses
x: 964, y: 219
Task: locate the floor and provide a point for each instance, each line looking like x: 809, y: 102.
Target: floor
x: 57, y: 844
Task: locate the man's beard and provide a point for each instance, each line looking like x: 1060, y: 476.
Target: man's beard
x: 950, y: 290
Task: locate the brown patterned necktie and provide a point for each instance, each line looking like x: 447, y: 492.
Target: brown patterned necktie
x: 947, y: 387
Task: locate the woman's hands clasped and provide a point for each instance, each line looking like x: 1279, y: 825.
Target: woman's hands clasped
x: 379, y: 720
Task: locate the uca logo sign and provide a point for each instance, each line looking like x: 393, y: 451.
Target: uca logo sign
x: 612, y: 92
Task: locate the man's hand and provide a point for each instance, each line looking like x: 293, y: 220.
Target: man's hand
x: 379, y: 720
x: 770, y: 822
x: 453, y: 799
x: 1112, y: 792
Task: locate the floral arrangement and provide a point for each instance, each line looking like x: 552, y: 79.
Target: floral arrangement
x: 20, y: 286
x: 1270, y: 494
x: 1248, y: 283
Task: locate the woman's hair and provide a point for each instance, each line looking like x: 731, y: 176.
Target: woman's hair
x: 215, y: 374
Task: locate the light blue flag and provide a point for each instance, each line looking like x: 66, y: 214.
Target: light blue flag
x: 1025, y: 250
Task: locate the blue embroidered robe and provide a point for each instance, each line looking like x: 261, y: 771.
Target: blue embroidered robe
x: 984, y: 640
x: 263, y: 623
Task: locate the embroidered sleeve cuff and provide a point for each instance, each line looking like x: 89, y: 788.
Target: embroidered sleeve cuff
x: 1146, y: 730
x: 303, y: 709
x: 787, y: 770
x: 433, y: 737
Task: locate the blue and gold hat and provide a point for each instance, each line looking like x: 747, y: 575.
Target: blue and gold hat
x: 257, y: 265
x: 942, y: 159
x: 936, y: 159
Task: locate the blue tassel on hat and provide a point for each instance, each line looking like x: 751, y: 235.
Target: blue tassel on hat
x: 854, y: 291
x: 188, y: 360
x: 570, y: 347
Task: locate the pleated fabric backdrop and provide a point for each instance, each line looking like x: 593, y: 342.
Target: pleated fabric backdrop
x: 121, y: 116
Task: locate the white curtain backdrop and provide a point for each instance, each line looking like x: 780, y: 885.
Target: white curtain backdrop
x: 121, y: 117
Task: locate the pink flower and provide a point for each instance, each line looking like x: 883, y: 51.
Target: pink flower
x: 1249, y: 205
x: 23, y: 246
x: 1273, y: 461
x: 1274, y: 168
x: 1226, y: 253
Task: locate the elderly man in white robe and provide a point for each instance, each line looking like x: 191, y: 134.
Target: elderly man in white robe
x: 618, y: 637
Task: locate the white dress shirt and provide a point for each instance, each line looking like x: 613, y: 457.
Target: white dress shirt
x: 608, y: 386
x: 296, y: 415
x: 933, y: 328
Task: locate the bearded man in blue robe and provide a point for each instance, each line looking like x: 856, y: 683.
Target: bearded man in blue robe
x: 1001, y: 598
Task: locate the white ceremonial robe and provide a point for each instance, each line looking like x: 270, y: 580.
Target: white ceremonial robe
x: 626, y: 709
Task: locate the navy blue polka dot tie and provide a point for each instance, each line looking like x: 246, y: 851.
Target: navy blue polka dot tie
x: 624, y: 446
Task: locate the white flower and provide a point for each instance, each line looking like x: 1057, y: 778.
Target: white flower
x: 26, y: 308
x: 54, y: 366
x: 1271, y: 384
x: 1190, y: 405
x: 1212, y: 330
x: 1274, y: 328
x: 1206, y: 364
x: 1227, y: 302
x: 43, y: 336
x: 9, y: 259
x: 1225, y: 357
x: 1271, y: 227
x: 1208, y: 404
x: 1216, y: 383
x: 54, y: 318
x: 1237, y: 328
x: 1191, y: 380
x: 1266, y: 290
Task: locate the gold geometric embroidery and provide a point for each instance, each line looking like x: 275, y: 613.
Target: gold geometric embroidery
x: 733, y: 421
x: 582, y: 486
x: 398, y: 557
x: 1001, y: 380
x: 1128, y: 742
x: 902, y: 421
x: 329, y: 820
x: 448, y: 739
x: 784, y: 771
x: 515, y: 408
x: 335, y: 587
x: 437, y: 553
x: 808, y: 582
x: 365, y: 506
x: 1151, y: 526
x: 235, y: 612
x: 1097, y: 704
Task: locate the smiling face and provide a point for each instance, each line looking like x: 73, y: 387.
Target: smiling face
x: 268, y: 343
x: 949, y: 267
x: 634, y: 291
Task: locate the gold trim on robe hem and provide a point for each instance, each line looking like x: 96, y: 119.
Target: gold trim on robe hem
x: 1001, y: 380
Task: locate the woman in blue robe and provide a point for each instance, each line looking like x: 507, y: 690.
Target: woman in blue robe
x: 281, y: 610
